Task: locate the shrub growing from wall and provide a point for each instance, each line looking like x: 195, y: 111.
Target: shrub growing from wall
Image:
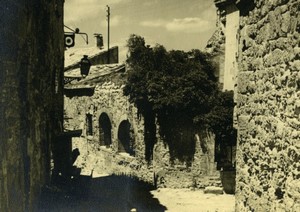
x: 181, y: 91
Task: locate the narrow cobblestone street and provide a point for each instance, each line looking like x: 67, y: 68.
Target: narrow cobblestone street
x: 98, y: 190
x: 120, y: 193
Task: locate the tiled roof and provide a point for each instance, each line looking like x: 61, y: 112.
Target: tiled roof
x: 74, y: 55
x: 98, y: 74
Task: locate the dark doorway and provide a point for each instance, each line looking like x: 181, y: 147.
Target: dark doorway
x: 125, y: 137
x: 104, y: 130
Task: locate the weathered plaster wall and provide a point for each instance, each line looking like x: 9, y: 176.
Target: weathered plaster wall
x: 231, y: 46
x: 268, y: 167
x: 108, y: 98
x: 31, y: 99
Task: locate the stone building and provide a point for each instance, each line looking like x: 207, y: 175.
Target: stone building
x: 267, y: 102
x: 112, y: 127
x: 31, y: 103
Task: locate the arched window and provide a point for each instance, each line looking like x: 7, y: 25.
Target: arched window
x: 104, y: 130
x: 126, y: 138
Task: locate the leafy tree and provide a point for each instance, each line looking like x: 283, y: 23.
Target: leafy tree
x: 180, y: 89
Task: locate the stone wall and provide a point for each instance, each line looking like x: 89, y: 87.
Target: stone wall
x: 268, y: 89
x: 31, y: 99
x: 108, y: 98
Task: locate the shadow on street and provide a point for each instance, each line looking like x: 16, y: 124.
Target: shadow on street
x: 110, y: 193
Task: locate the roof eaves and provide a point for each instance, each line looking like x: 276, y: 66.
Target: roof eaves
x: 222, y: 3
x: 92, y: 79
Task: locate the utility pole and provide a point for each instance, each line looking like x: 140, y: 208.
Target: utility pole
x: 108, y: 19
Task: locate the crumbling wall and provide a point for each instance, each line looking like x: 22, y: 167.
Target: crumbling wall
x: 108, y: 98
x: 268, y: 88
x: 31, y: 99
x: 216, y: 48
x: 201, y: 171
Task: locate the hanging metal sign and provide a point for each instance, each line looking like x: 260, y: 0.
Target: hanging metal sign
x: 69, y: 39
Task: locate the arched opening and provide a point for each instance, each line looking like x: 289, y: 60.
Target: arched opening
x: 126, y: 138
x: 104, y: 130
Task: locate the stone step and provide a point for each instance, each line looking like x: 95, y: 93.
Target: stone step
x: 213, y: 190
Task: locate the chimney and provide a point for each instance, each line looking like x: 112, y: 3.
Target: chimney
x: 99, y: 40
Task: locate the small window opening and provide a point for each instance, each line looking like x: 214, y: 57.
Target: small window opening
x: 89, y: 124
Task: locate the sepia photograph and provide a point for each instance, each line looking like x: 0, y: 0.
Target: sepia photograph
x: 150, y: 106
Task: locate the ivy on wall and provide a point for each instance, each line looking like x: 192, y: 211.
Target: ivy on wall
x: 179, y: 89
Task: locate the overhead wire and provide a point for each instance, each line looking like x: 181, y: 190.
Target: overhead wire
x: 137, y: 11
x: 169, y: 5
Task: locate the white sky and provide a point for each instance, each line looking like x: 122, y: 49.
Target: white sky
x: 175, y: 24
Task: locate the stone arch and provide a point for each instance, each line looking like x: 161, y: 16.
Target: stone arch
x: 105, y: 128
x: 105, y: 110
x: 126, y: 137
